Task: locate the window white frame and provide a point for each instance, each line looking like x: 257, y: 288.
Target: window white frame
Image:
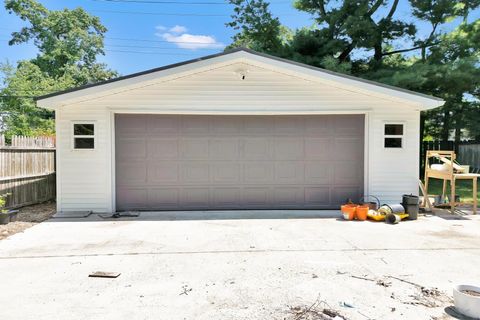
x: 398, y: 136
x: 74, y: 136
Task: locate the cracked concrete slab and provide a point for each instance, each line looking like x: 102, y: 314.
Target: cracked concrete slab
x: 236, y: 269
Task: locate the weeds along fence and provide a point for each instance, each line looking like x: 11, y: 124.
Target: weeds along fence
x: 27, y: 170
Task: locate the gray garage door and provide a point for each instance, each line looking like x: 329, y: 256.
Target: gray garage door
x: 172, y: 162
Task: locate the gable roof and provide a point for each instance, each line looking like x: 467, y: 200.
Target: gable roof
x: 425, y: 101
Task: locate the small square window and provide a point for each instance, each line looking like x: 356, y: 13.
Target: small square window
x: 84, y: 143
x: 393, y: 142
x: 393, y: 135
x: 83, y: 136
x: 394, y: 129
x: 80, y: 129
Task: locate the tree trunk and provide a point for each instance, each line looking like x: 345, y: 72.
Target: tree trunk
x: 446, y: 125
x: 458, y: 133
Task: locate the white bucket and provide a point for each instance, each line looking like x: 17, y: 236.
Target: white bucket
x: 467, y: 304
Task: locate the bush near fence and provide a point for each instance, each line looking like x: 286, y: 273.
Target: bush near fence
x: 27, y: 170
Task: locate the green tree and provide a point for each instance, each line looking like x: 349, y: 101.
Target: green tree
x: 68, y: 43
x: 258, y: 29
x: 368, y: 39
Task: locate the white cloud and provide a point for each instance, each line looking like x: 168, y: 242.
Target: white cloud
x: 178, y: 29
x: 178, y: 36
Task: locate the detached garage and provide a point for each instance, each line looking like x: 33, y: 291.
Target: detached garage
x: 237, y: 130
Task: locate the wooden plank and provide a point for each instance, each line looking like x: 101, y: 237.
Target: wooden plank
x: 103, y: 274
x: 426, y: 200
x: 2, y: 179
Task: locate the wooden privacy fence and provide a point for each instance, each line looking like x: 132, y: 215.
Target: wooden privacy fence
x: 27, y: 170
x: 469, y: 154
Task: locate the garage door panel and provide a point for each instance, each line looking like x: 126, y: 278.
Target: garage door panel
x: 134, y: 173
x: 132, y: 198
x: 163, y: 198
x: 290, y: 126
x: 193, y: 198
x: 225, y: 172
x: 258, y: 125
x: 131, y: 148
x: 226, y: 125
x: 348, y: 125
x: 195, y: 125
x: 224, y: 149
x: 131, y: 124
x: 256, y: 196
x: 163, y: 124
x: 226, y: 197
x: 163, y: 148
x: 318, y: 148
x: 195, y: 172
x: 257, y: 148
x: 258, y: 172
x: 347, y: 148
x: 174, y: 162
x: 319, y: 172
x: 317, y: 196
x: 289, y: 148
x: 318, y: 126
x: 342, y: 194
x: 347, y: 173
x: 159, y: 172
x: 194, y: 148
x: 288, y: 196
x: 289, y: 172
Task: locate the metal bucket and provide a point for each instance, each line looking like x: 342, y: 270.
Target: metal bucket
x: 391, y: 208
x: 373, y: 205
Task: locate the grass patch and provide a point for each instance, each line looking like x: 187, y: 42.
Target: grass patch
x: 463, y: 189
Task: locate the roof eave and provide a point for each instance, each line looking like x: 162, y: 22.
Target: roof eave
x: 424, y: 102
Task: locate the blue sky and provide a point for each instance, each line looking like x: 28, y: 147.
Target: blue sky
x: 147, y: 35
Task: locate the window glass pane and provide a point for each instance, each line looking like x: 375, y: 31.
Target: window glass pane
x: 393, y: 142
x: 83, y: 129
x: 84, y: 143
x: 394, y: 129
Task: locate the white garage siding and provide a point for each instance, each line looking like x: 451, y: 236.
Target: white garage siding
x: 86, y: 177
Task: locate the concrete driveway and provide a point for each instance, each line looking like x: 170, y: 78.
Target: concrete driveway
x: 237, y: 268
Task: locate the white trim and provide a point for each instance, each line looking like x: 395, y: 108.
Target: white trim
x: 366, y: 155
x: 242, y: 112
x: 58, y: 171
x: 73, y: 136
x: 113, y: 173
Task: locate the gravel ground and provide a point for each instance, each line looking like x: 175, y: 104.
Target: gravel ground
x: 28, y: 217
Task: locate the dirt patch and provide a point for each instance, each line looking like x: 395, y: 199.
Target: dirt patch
x: 28, y: 217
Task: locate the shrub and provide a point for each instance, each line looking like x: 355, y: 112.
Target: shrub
x: 3, y: 201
